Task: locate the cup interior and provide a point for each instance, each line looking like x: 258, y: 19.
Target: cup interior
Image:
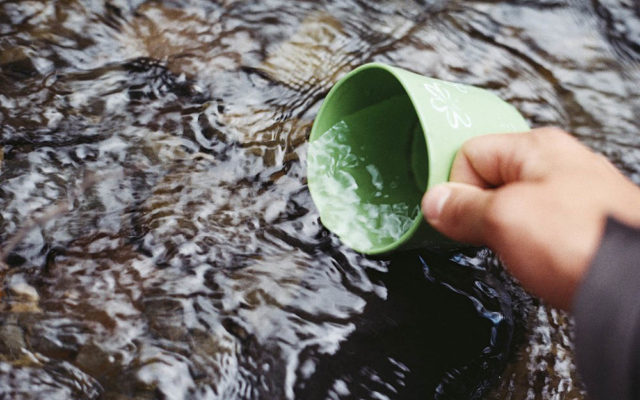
x: 367, y: 162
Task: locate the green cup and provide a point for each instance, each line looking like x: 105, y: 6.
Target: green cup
x: 382, y: 137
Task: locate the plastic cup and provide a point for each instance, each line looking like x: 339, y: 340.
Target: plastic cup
x: 382, y: 137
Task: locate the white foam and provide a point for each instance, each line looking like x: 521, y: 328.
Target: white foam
x: 359, y: 224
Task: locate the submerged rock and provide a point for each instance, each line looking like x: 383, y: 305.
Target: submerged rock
x: 12, y: 342
x: 20, y: 296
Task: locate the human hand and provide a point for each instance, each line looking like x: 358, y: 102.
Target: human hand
x: 539, y: 199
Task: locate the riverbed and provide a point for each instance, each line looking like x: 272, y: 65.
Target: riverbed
x: 157, y: 235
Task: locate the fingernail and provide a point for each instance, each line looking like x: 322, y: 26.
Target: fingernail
x: 434, y: 201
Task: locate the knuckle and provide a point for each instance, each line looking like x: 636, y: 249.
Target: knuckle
x: 493, y: 217
x: 551, y: 137
x: 469, y: 144
x: 499, y: 210
x: 451, y: 212
x: 469, y: 147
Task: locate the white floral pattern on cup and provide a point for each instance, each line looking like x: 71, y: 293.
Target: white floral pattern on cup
x: 441, y: 101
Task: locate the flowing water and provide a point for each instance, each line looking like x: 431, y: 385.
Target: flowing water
x: 158, y: 237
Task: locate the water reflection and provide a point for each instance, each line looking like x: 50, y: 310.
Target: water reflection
x: 188, y: 261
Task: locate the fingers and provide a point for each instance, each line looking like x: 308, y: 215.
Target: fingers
x: 494, y: 160
x: 466, y: 208
x: 490, y: 161
x: 458, y: 211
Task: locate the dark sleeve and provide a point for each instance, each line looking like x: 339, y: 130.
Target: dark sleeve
x: 607, y: 315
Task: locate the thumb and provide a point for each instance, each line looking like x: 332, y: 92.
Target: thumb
x: 457, y: 210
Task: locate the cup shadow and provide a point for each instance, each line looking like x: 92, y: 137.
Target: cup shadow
x: 444, y: 331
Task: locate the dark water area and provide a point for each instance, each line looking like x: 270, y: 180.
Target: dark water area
x: 157, y: 236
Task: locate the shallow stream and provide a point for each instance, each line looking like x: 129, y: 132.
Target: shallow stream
x: 157, y: 235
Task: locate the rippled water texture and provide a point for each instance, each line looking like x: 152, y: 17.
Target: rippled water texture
x: 158, y: 236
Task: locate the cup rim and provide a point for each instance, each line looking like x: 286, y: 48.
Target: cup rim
x: 315, y: 134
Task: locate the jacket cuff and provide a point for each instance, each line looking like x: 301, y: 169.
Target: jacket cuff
x: 607, y: 316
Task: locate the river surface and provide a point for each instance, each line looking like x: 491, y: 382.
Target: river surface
x: 158, y: 238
